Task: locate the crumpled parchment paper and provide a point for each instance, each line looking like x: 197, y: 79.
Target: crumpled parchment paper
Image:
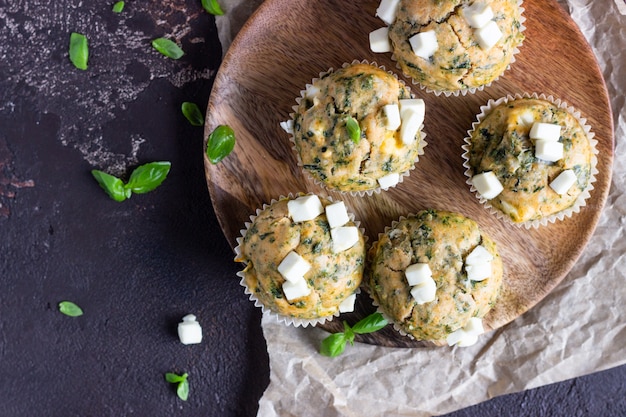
x: 529, y: 352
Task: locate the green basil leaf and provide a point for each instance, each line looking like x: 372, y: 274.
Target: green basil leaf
x: 118, y: 7
x: 148, y: 177
x: 70, y: 309
x: 192, y: 112
x: 173, y: 378
x: 333, y: 345
x: 167, y: 48
x: 213, y: 7
x: 220, y: 144
x: 354, y: 130
x: 113, y: 186
x: 370, y: 324
x: 348, y: 332
x: 183, y: 390
x: 79, y: 51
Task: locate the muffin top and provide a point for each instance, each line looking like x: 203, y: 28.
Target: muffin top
x: 357, y: 92
x: 501, y: 143
x: 461, y: 59
x: 333, y: 276
x: 442, y: 240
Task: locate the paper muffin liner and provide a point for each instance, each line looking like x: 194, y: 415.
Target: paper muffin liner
x: 584, y: 195
x: 360, y: 193
x: 381, y: 310
x: 471, y: 90
x: 288, y: 320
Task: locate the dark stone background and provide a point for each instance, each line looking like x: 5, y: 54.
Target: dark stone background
x: 136, y: 267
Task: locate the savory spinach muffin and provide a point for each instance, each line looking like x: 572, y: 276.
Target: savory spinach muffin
x: 536, y: 152
x: 303, y: 258
x: 357, y: 129
x: 455, y: 45
x: 452, y: 250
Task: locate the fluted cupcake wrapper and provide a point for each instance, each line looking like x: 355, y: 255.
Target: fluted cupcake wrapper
x: 581, y: 199
x: 360, y: 193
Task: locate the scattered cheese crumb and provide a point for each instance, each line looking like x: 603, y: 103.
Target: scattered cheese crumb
x: 379, y: 40
x: 189, y: 330
x: 347, y: 305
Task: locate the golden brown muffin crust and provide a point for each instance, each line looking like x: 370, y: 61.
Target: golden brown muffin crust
x: 332, y: 277
x: 443, y: 240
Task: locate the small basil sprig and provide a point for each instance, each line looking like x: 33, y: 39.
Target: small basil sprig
x: 70, y: 309
x: 220, y: 144
x: 118, y: 7
x: 354, y: 130
x: 79, y: 50
x: 182, y: 388
x: 167, y: 48
x: 335, y: 344
x: 213, y: 7
x: 193, y: 114
x: 143, y: 179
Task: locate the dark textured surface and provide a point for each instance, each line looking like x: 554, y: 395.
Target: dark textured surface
x: 136, y: 267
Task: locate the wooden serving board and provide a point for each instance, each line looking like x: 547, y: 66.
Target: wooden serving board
x: 286, y: 43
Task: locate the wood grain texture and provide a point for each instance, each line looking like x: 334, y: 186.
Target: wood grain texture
x: 286, y: 43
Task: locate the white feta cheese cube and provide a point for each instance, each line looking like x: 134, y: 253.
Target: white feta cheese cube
x: 287, y: 126
x: 392, y: 116
x: 387, y: 10
x: 424, y: 292
x: 296, y: 289
x: 344, y: 237
x: 477, y: 15
x: 479, y: 255
x: 189, y: 330
x: 474, y: 326
x: 379, y: 40
x: 336, y: 214
x: 389, y: 180
x: 411, y: 122
x: 468, y: 340
x: 564, y: 181
x: 455, y: 337
x: 311, y: 91
x: 548, y: 150
x: 488, y: 35
x: 424, y: 44
x: 545, y: 131
x: 479, y: 271
x: 487, y: 185
x: 418, y: 273
x: 415, y: 104
x: 347, y: 305
x: 468, y: 335
x: 293, y: 267
x: 305, y: 208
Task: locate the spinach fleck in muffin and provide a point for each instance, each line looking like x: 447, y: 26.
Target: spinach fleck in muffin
x: 459, y: 63
x: 333, y: 275
x: 442, y: 240
x: 323, y: 140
